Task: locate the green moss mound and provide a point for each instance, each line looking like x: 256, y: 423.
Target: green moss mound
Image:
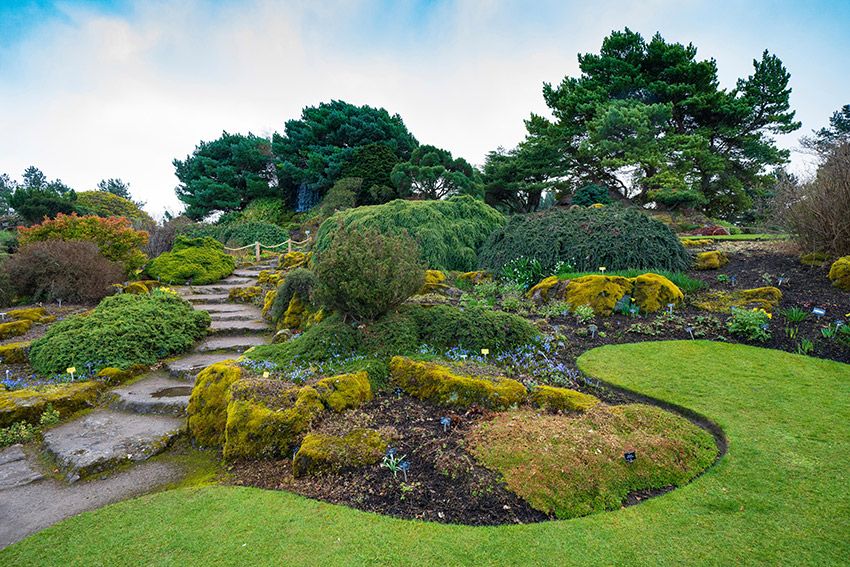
x: 573, y: 465
x: 449, y: 232
x: 553, y: 398
x: 710, y: 260
x: 345, y: 391
x: 208, y: 403
x: 839, y: 273
x: 34, y: 314
x: 438, y: 384
x: 201, y: 260
x: 320, y: 453
x: 123, y: 331
x: 613, y: 237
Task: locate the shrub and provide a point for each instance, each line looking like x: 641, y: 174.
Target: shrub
x: 612, y: 237
x: 74, y: 272
x: 449, y: 232
x: 201, y: 260
x: 105, y: 204
x: 115, y: 237
x: 240, y: 233
x: 590, y: 195
x: 364, y: 273
x: 343, y: 195
x: 751, y: 325
x: 839, y: 273
x: 123, y: 331
x: 301, y: 282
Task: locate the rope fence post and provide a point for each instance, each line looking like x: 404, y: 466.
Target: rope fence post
x: 257, y: 250
x: 289, y: 247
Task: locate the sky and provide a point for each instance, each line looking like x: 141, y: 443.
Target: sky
x: 98, y: 89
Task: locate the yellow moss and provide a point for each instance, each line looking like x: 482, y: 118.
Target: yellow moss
x: 114, y: 375
x: 434, y: 281
x: 136, y: 288
x: 597, y: 206
x: 268, y: 301
x: 599, y: 292
x: 295, y: 313
x: 546, y: 289
x: 15, y: 328
x: 34, y: 314
x: 29, y: 404
x: 653, y: 292
x: 711, y: 260
x: 208, y: 403
x: 320, y: 453
x: 561, y: 399
x: 438, y: 384
x: 253, y: 430
x: 294, y: 259
x: 839, y: 273
x: 345, y: 391
x: 151, y: 284
x: 474, y: 277
x: 14, y: 353
x: 245, y: 294
x: 766, y: 298
x: 269, y: 277
x: 696, y: 242
x: 818, y: 259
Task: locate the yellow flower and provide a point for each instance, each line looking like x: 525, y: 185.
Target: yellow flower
x: 769, y: 315
x: 71, y: 370
x: 266, y: 374
x: 485, y: 351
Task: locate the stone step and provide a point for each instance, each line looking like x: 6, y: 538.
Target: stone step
x: 157, y: 393
x: 212, y: 308
x: 236, y: 281
x: 247, y: 313
x: 249, y: 272
x: 212, y: 289
x: 107, y: 438
x: 15, y: 469
x: 219, y: 327
x: 206, y: 298
x: 187, y: 367
x: 238, y: 343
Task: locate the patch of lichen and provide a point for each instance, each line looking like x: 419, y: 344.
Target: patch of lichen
x: 435, y: 281
x: 696, y: 242
x: 345, y: 391
x: 246, y: 294
x: 321, y: 453
x: 298, y: 315
x: 254, y: 430
x: 14, y: 353
x: 839, y: 273
x: 438, y: 384
x: 136, y: 288
x: 28, y: 404
x: 34, y: 314
x: 552, y: 398
x: 14, y: 328
x: 208, y: 403
x: 818, y: 259
x: 710, y: 260
x: 651, y: 292
x: 269, y: 277
x: 766, y: 298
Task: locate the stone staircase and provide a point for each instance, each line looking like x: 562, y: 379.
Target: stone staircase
x: 143, y: 417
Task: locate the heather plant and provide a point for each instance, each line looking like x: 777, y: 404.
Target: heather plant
x: 74, y: 272
x: 115, y: 237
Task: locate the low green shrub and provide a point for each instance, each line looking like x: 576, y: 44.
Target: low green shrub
x: 752, y: 325
x: 364, y: 273
x: 611, y: 237
x: 449, y: 232
x: 201, y: 260
x: 241, y: 233
x: 123, y: 331
x: 300, y: 281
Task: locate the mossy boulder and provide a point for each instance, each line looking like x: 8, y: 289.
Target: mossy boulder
x: 268, y: 301
x: 208, y: 403
x: 474, y: 277
x: 136, y: 288
x: 255, y: 430
x: 113, y: 376
x: 548, y: 289
x: 653, y: 292
x: 14, y: 353
x: 346, y: 391
x: 438, y: 384
x: 246, y: 294
x: 269, y: 277
x: 817, y: 259
x: 435, y: 281
x: 34, y: 314
x: 766, y: 298
x: 552, y: 398
x: 28, y: 404
x: 710, y: 260
x: 601, y: 293
x: 15, y: 328
x: 298, y: 315
x: 839, y: 273
x: 320, y: 453
x: 696, y: 242
x: 294, y: 259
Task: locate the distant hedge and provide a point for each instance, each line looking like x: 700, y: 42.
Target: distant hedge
x: 612, y: 237
x: 449, y: 232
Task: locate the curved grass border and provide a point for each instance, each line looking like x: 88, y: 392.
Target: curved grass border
x: 779, y: 496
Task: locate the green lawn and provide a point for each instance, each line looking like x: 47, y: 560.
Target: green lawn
x: 766, y: 236
x: 779, y: 496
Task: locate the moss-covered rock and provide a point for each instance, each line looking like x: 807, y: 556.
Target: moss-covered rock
x: 766, y: 298
x: 268, y: 301
x: 294, y: 259
x: 14, y: 328
x: 136, y: 288
x: 269, y: 277
x: 34, y: 314
x: 114, y: 376
x: 346, y: 391
x: 28, y: 404
x: 710, y: 260
x: 696, y: 242
x: 653, y: 292
x: 601, y: 293
x: 561, y: 399
x: 548, y: 289
x: 818, y: 259
x: 320, y: 453
x: 254, y: 430
x: 208, y: 403
x: 839, y: 273
x: 435, y: 281
x: 14, y: 353
x: 246, y: 294
x: 298, y: 315
x: 476, y: 277
x: 438, y: 384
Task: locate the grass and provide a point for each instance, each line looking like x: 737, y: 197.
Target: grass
x: 763, y: 236
x: 779, y: 496
x: 682, y: 280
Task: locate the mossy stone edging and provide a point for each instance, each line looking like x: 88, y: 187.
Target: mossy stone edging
x: 28, y: 404
x: 345, y: 391
x: 320, y: 453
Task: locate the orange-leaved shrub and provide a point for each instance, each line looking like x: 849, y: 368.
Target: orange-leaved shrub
x: 115, y: 237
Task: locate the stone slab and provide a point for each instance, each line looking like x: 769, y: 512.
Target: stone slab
x: 206, y: 298
x: 238, y: 327
x: 107, y: 438
x: 15, y: 469
x: 189, y: 366
x: 247, y: 313
x: 236, y: 343
x: 222, y: 307
x: 158, y: 393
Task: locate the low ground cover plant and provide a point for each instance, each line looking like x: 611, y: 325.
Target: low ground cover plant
x: 122, y: 331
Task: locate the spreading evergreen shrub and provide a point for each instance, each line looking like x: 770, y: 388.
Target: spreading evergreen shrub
x: 201, y: 260
x: 301, y: 281
x: 449, y: 232
x: 105, y: 204
x: 124, y: 330
x: 610, y: 237
x: 364, y: 273
x: 590, y: 195
x: 237, y: 234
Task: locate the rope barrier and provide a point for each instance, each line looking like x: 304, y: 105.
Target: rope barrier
x: 259, y: 246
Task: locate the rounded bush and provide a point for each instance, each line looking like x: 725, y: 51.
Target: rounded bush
x: 201, y: 260
x: 610, y: 237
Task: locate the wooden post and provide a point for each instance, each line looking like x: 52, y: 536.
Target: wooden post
x: 289, y: 245
x: 257, y: 250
